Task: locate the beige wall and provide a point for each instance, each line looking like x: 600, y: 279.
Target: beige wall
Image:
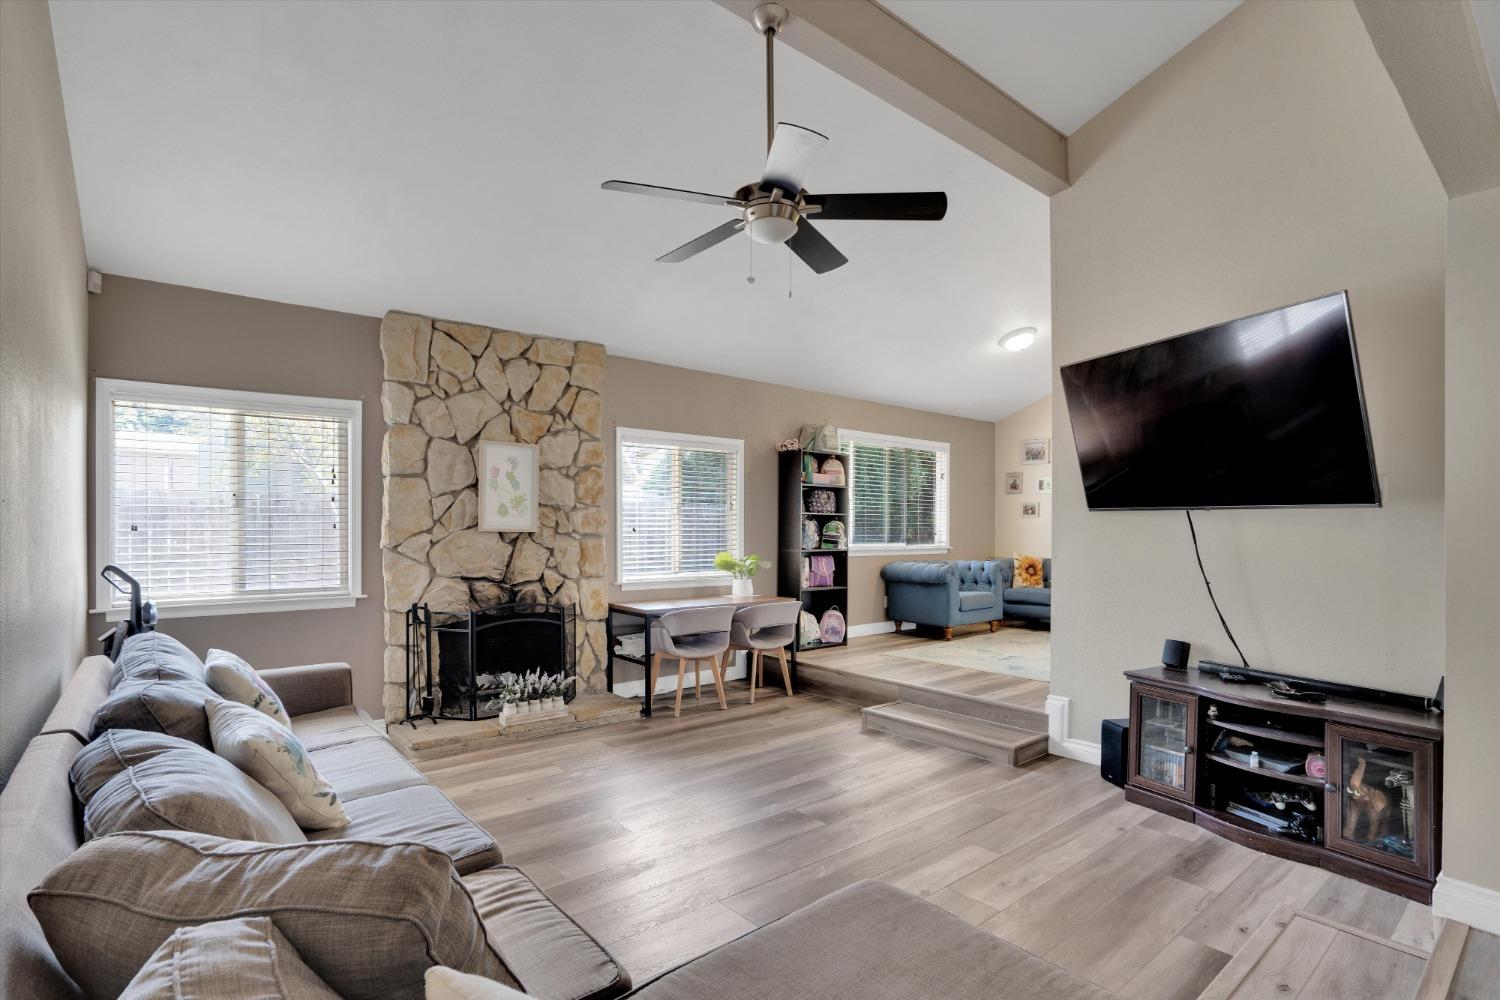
x: 166, y: 333
x: 662, y: 398
x: 43, y: 347
x: 1471, y: 807
x: 1268, y: 162
x: 1014, y: 534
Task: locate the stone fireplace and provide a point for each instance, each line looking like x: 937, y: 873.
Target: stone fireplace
x: 449, y: 386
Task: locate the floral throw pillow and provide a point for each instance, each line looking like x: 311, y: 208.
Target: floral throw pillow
x: 270, y: 754
x: 1028, y: 572
x: 233, y: 678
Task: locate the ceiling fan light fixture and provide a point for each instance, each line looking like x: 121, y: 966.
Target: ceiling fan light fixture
x: 1019, y: 340
x: 771, y: 222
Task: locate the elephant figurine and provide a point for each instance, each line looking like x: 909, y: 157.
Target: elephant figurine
x: 1365, y: 802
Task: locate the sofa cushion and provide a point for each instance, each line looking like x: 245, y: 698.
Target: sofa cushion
x: 367, y: 918
x: 543, y: 948
x: 418, y: 815
x: 366, y: 767
x: 975, y: 600
x: 155, y: 656
x: 1028, y: 595
x: 450, y: 984
x: 1026, y: 571
x: 269, y: 753
x: 872, y: 941
x: 232, y: 678
x: 333, y: 726
x: 174, y: 707
x: 191, y: 790
x: 247, y: 958
x: 113, y: 752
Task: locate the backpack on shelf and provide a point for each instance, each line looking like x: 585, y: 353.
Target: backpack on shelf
x: 833, y: 472
x: 809, y: 467
x: 831, y: 628
x: 806, y: 574
x: 811, y: 536
x: 819, y: 437
x: 819, y: 571
x: 808, y: 633
x: 834, y: 535
x: 822, y: 502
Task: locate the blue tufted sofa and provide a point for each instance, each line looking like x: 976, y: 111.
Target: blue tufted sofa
x: 945, y: 594
x: 1031, y: 603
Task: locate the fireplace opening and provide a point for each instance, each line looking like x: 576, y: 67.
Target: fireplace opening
x: 466, y: 665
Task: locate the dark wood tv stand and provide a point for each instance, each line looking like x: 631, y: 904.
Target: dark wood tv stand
x: 1374, y: 816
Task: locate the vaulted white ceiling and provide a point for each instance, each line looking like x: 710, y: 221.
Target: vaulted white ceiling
x: 1065, y: 60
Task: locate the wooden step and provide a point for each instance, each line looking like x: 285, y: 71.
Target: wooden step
x: 958, y: 703
x: 978, y: 737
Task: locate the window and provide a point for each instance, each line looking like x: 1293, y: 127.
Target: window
x: 226, y: 502
x: 899, y: 493
x: 681, y: 502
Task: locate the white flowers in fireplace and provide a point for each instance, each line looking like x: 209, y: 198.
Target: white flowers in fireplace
x: 533, y: 691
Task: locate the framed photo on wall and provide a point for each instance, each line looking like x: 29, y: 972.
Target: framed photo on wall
x: 507, y: 487
x: 1044, y: 484
x: 1036, y: 451
x: 1031, y: 508
x: 1012, y: 482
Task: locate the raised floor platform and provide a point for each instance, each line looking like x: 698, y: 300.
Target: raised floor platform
x: 431, y: 741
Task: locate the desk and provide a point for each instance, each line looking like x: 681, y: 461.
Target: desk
x: 636, y: 616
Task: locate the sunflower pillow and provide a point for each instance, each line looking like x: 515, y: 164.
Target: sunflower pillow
x: 1028, y: 572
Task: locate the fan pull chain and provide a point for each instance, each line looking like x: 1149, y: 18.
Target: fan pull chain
x: 750, y: 249
x: 789, y: 274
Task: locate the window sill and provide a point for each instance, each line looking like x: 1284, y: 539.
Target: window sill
x: 207, y: 609
x: 677, y: 582
x: 902, y: 550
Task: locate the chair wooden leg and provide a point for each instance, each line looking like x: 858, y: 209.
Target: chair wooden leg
x: 754, y: 666
x: 786, y: 669
x: 947, y: 633
x: 681, y: 676
x: 994, y: 625
x: 718, y: 672
x: 655, y: 672
x: 698, y: 679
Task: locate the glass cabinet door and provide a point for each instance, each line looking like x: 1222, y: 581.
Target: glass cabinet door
x: 1162, y: 729
x: 1379, y: 798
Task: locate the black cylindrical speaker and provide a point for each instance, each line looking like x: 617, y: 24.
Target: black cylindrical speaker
x: 1175, y: 654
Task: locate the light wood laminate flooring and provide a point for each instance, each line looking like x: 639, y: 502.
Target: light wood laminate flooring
x: 668, y: 837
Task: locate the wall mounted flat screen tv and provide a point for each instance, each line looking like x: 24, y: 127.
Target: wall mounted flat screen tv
x: 1265, y: 411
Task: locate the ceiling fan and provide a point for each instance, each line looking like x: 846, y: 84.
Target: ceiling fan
x: 776, y: 209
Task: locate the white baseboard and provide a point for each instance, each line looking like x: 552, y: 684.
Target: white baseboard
x: 667, y: 683
x: 1467, y: 903
x: 877, y: 628
x: 1058, y: 743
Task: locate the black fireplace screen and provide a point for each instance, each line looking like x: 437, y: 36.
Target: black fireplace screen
x: 468, y: 665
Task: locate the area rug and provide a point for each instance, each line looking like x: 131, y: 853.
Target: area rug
x: 1014, y: 652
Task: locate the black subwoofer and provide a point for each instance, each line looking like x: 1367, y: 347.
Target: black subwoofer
x: 1114, y: 746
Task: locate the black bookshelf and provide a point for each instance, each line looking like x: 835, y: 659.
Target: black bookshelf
x: 793, y: 509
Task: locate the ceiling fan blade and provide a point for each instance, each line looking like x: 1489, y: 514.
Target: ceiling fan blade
x: 814, y: 249
x: 677, y: 194
x: 907, y: 206
x: 793, y: 151
x: 711, y: 238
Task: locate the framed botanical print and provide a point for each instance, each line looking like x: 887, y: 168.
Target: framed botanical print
x: 507, y: 486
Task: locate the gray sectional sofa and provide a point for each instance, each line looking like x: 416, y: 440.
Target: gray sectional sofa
x: 888, y: 942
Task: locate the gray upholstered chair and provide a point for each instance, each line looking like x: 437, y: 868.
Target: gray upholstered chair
x: 763, y: 628
x: 696, y: 635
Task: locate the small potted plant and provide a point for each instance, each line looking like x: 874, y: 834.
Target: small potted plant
x: 742, y: 568
x: 534, y: 691
x: 510, y: 695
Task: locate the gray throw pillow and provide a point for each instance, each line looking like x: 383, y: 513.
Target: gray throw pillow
x: 174, y: 707
x: 227, y: 958
x: 155, y: 656
x: 369, y: 918
x: 112, y: 752
x: 193, y: 790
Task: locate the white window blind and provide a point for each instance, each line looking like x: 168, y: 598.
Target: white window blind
x: 680, y: 501
x: 899, y: 492
x: 221, y: 502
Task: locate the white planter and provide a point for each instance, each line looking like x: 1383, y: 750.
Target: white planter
x: 743, y: 588
x: 534, y: 705
x: 554, y: 703
x: 508, y: 709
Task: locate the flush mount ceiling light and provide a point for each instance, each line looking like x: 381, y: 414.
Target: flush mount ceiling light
x: 1019, y: 340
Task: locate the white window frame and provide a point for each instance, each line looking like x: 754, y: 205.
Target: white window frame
x: 893, y: 441
x: 107, y: 390
x: 637, y: 435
